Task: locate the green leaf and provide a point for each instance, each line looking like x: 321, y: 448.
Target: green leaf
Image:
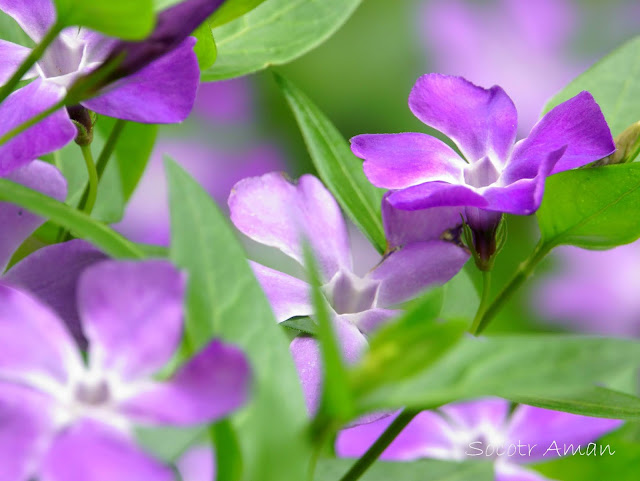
x: 595, y: 401
x: 339, y: 169
x: 225, y: 300
x: 232, y: 9
x: 276, y: 32
x: 304, y: 325
x: 423, y: 470
x: 205, y: 48
x: 81, y: 225
x: 594, y: 208
x: 126, y: 19
x: 613, y: 81
x: 532, y: 366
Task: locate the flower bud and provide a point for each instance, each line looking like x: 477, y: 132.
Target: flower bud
x: 484, y: 233
x: 83, y: 120
x: 627, y: 147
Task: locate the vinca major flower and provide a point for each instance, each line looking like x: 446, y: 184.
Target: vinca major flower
x: 69, y: 419
x: 273, y: 211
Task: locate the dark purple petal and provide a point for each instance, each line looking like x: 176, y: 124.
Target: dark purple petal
x: 273, y: 211
x: 405, y: 226
x: 198, y: 464
x: 91, y: 451
x: 417, y: 266
x: 35, y: 347
x: 162, y: 93
x: 48, y: 135
x: 394, y: 161
x: 214, y: 383
x: 543, y: 427
x: 577, y: 124
x: 132, y: 315
x: 436, y: 194
x: 480, y: 121
x: 288, y: 295
x: 11, y: 56
x: 17, y: 223
x: 35, y: 17
x: 51, y: 274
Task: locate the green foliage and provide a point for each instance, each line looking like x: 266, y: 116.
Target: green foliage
x: 225, y: 300
x: 232, y: 9
x: 276, y: 32
x: 613, y: 81
x: 339, y: 169
x: 205, y: 48
x: 593, y: 208
x: 127, y: 19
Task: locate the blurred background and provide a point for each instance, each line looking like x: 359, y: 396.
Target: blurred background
x: 361, y: 79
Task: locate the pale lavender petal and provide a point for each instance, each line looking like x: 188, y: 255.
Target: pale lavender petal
x: 480, y: 121
x: 395, y: 161
x: 543, y: 427
x: 132, y: 315
x: 427, y: 435
x: 506, y: 471
x: 370, y: 320
x: 161, y: 93
x: 35, y: 17
x: 288, y: 295
x: 91, y: 451
x: 198, y: 464
x: 51, y: 274
x: 48, y: 135
x: 417, y: 266
x: 35, y: 347
x: 11, y: 56
x: 308, y: 360
x: 405, y: 226
x: 24, y: 428
x: 577, y: 124
x: 273, y: 211
x: 17, y: 223
x: 472, y: 415
x: 436, y: 194
x: 214, y: 383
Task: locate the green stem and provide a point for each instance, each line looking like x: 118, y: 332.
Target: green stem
x: 87, y: 207
x: 524, y: 271
x: 374, y: 452
x: 484, y: 301
x: 35, y: 55
x: 32, y: 121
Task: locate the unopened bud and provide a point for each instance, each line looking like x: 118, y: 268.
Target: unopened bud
x: 627, y: 147
x: 83, y: 120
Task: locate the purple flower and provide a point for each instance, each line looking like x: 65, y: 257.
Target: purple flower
x: 84, y: 412
x: 481, y: 430
x: 277, y: 213
x: 162, y: 92
x: 198, y: 464
x: 593, y: 291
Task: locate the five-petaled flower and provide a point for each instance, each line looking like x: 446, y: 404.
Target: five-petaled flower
x: 483, y: 429
x: 64, y: 418
x: 273, y: 211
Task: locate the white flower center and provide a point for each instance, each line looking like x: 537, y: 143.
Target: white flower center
x: 349, y: 294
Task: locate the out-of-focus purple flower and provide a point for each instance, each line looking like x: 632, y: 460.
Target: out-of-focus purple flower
x: 132, y: 315
x: 147, y: 216
x: 273, y: 211
x: 523, y: 46
x: 494, y: 176
x: 225, y: 101
x: 482, y: 429
x: 198, y: 464
x: 593, y: 291
x: 162, y: 92
x: 51, y: 273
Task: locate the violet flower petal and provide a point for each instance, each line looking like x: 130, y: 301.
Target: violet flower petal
x: 35, y: 347
x: 273, y: 211
x: 49, y: 135
x: 198, y: 464
x: 211, y: 385
x: 542, y: 427
x: 578, y: 124
x: 436, y: 194
x: 132, y: 315
x: 480, y: 121
x: 470, y: 415
x: 51, y: 274
x: 288, y: 295
x: 11, y: 56
x: 395, y: 161
x: 91, y: 451
x: 162, y: 93
x: 35, y: 17
x: 17, y: 223
x: 407, y: 272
